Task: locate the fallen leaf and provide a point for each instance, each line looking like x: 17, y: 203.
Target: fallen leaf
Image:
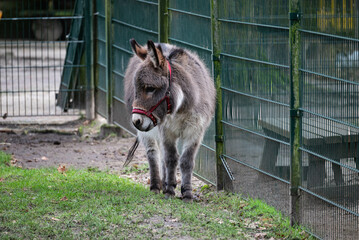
x: 55, y: 219
x: 44, y: 158
x: 13, y: 161
x: 242, y: 205
x: 267, y: 225
x: 266, y: 219
x: 62, y: 169
x: 64, y: 199
x: 2, y: 179
x: 253, y: 225
x: 148, y: 181
x: 220, y: 221
x: 234, y: 223
x: 260, y: 235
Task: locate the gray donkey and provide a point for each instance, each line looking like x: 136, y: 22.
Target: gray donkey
x: 171, y: 96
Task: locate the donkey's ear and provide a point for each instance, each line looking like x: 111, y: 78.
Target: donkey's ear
x: 155, y: 54
x: 140, y: 51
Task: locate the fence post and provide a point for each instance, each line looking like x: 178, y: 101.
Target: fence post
x: 163, y: 26
x: 217, y: 79
x: 295, y: 111
x: 90, y: 93
x: 108, y: 31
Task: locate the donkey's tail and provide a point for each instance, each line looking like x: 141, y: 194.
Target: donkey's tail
x: 131, y: 152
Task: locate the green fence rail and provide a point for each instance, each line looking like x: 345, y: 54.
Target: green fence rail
x: 286, y: 128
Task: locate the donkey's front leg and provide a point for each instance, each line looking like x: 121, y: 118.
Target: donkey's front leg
x: 171, y: 161
x: 186, y: 167
x: 152, y: 151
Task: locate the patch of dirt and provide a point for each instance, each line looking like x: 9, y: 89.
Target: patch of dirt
x: 36, y: 147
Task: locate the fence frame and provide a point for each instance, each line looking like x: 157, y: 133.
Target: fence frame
x: 89, y: 48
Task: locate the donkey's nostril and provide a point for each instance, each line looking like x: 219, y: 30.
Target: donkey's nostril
x: 137, y: 123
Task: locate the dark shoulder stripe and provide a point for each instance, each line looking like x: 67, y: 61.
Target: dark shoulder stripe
x: 176, y: 53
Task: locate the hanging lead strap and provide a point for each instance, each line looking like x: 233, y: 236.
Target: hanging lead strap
x: 131, y: 152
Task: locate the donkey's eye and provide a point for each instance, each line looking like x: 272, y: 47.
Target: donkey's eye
x: 150, y: 89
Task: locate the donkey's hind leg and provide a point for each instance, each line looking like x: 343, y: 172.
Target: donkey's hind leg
x: 186, y: 167
x: 153, y: 156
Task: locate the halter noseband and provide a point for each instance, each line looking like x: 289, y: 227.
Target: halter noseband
x: 165, y: 98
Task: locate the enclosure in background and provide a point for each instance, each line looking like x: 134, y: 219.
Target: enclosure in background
x: 35, y: 41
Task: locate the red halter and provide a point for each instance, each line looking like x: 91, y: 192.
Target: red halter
x: 165, y: 98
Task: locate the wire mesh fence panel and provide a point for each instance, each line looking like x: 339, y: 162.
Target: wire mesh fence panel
x: 255, y: 97
x: 33, y: 41
x: 330, y: 128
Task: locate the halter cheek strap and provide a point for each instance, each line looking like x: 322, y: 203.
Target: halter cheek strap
x: 165, y: 98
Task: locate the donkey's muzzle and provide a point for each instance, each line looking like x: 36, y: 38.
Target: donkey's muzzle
x: 142, y: 122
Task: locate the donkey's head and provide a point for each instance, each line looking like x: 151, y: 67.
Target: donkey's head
x: 151, y: 84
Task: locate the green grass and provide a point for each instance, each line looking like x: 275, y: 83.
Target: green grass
x: 83, y: 204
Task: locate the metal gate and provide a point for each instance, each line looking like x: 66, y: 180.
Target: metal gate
x: 34, y: 36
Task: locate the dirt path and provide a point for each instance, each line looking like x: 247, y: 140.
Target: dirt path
x: 34, y: 147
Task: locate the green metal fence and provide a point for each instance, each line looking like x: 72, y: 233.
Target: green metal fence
x: 34, y: 36
x: 286, y: 128
x: 329, y: 71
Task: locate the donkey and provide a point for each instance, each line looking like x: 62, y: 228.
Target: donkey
x: 171, y: 96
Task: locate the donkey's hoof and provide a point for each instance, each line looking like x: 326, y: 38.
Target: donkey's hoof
x: 187, y: 200
x: 169, y: 196
x: 155, y: 190
x: 187, y: 195
x: 169, y: 192
x: 186, y: 192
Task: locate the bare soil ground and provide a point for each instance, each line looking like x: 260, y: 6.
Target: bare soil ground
x: 53, y: 146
